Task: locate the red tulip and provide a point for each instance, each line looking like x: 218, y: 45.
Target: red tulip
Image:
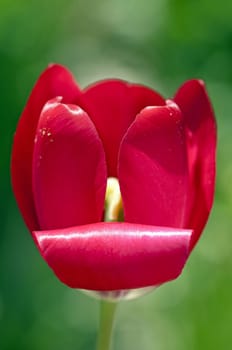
x: 69, y: 141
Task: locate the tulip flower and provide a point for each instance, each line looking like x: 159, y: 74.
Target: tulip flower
x: 114, y: 182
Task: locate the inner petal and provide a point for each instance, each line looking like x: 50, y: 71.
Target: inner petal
x: 69, y: 170
x: 153, y: 171
x: 112, y: 106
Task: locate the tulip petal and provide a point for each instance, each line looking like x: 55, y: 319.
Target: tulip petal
x: 201, y: 139
x: 153, y: 173
x: 112, y: 256
x: 69, y: 169
x: 55, y: 81
x: 112, y: 106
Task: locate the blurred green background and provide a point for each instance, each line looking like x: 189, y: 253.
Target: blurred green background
x: 160, y: 43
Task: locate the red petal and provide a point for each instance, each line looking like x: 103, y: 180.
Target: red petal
x: 201, y: 138
x: 153, y: 172
x: 55, y: 81
x: 112, y: 105
x: 111, y: 256
x: 69, y: 169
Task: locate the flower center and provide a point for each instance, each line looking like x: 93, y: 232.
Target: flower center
x: 113, y: 201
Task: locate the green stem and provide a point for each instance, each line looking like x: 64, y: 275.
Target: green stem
x: 107, y: 313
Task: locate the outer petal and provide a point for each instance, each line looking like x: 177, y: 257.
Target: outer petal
x: 153, y: 172
x: 201, y: 138
x: 55, y: 81
x: 111, y: 256
x: 112, y: 106
x: 69, y: 169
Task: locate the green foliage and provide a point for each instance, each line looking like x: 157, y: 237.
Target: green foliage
x: 159, y: 43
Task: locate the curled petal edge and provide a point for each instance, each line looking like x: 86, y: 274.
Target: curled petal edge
x: 114, y: 256
x: 56, y: 80
x: 201, y: 132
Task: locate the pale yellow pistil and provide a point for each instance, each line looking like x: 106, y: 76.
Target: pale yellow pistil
x: 113, y: 201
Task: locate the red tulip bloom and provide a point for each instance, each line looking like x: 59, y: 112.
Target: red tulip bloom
x: 69, y: 141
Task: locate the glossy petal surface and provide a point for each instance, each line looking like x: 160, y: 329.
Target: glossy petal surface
x: 69, y: 169
x: 201, y: 139
x: 112, y: 106
x: 55, y: 81
x: 153, y: 172
x: 112, y: 256
x: 69, y: 141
